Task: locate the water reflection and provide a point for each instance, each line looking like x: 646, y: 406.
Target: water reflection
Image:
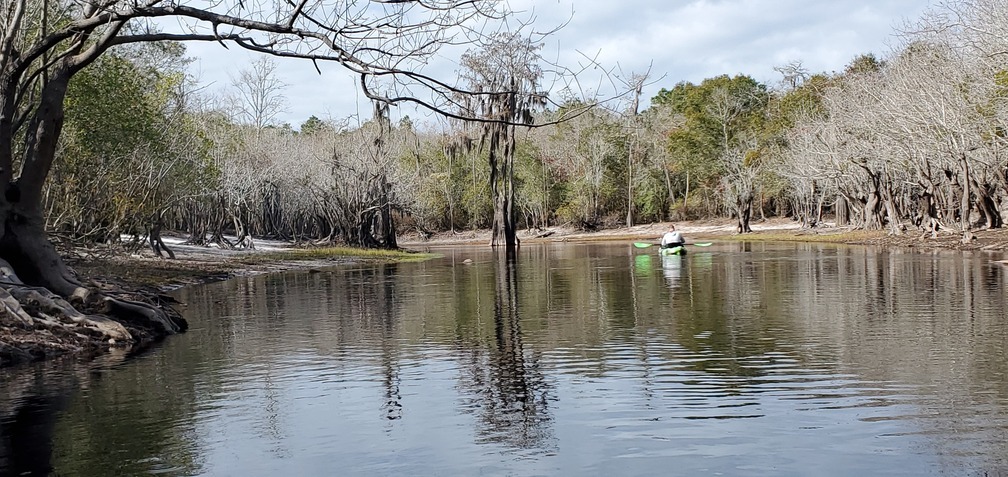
x: 742, y: 359
x: 102, y: 418
x: 509, y: 393
x: 672, y: 267
x: 28, y: 427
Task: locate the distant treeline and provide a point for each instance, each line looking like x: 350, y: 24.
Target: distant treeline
x: 912, y: 141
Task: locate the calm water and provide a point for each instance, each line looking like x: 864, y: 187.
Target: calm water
x: 739, y: 359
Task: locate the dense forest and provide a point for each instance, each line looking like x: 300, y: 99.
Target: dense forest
x: 911, y: 141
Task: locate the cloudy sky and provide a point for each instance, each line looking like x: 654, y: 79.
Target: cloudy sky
x: 677, y: 39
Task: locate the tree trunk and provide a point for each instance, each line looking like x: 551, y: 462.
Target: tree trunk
x: 895, y: 222
x: 685, y: 199
x: 34, y: 271
x: 743, y: 210
x: 872, y: 212
x: 376, y: 228
x: 26, y: 247
x: 842, y: 211
x: 154, y: 237
x: 927, y: 214
x: 820, y: 200
x: 964, y: 200
x: 669, y: 195
x: 504, y: 230
x: 386, y: 222
x: 990, y: 216
x: 629, y: 191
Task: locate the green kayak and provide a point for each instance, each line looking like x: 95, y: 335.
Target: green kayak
x: 677, y: 250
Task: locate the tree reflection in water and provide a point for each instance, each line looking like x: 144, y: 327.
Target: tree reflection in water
x: 510, y: 395
x: 389, y: 307
x: 27, y: 426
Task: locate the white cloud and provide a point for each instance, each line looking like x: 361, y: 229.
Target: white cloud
x: 681, y: 40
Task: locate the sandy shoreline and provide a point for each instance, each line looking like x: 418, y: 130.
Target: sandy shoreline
x: 770, y: 230
x: 646, y: 232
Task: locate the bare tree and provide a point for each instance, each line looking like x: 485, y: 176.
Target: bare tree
x: 585, y: 146
x: 258, y: 94
x: 917, y: 139
x: 794, y: 74
x: 634, y: 150
x: 733, y: 108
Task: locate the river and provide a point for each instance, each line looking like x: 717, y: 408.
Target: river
x: 572, y: 359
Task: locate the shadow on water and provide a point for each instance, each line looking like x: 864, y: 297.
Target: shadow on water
x: 510, y: 394
x: 47, y: 429
x: 28, y: 425
x: 388, y: 310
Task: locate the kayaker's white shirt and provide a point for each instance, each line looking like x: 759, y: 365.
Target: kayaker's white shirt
x: 674, y: 238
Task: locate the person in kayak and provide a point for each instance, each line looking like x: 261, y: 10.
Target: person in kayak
x: 672, y: 238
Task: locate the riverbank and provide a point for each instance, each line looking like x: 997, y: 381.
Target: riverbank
x: 149, y: 277
x: 195, y: 265
x: 777, y: 229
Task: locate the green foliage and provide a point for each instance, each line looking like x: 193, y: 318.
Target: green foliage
x: 127, y: 149
x: 801, y: 103
x: 452, y: 188
x: 650, y: 197
x: 594, y: 167
x: 110, y: 110
x: 132, y: 148
x: 1001, y: 81
x: 539, y: 191
x: 866, y: 63
x: 721, y: 114
x: 314, y: 125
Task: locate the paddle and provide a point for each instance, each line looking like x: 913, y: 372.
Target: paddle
x: 646, y: 245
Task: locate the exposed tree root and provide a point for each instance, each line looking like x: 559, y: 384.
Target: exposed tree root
x: 36, y: 323
x: 149, y: 316
x: 11, y: 308
x: 53, y: 310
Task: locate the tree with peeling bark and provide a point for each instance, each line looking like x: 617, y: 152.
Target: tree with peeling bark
x: 44, y: 45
